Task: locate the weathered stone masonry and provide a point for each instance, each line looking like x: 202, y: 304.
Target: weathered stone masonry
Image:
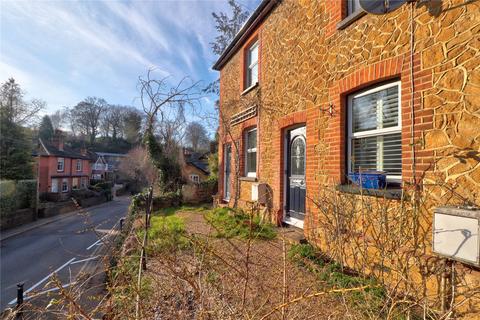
x: 307, y: 67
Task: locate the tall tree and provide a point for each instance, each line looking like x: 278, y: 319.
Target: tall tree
x: 58, y: 119
x: 15, y: 145
x: 132, y: 124
x: 112, y: 120
x: 227, y: 26
x: 86, y: 115
x: 196, y: 136
x: 15, y: 151
x: 159, y: 101
x: 14, y: 107
x: 45, y: 131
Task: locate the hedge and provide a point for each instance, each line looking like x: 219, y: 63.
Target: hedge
x: 16, y: 195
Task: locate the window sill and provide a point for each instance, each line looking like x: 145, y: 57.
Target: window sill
x: 393, y: 193
x: 251, y: 179
x: 244, y: 92
x: 350, y: 19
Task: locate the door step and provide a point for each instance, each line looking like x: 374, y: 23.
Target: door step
x: 293, y: 234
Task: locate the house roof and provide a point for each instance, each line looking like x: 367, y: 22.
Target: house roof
x: 48, y: 149
x: 109, y: 154
x: 250, y: 25
x: 198, y: 160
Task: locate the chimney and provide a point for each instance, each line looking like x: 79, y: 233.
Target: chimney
x: 57, y: 139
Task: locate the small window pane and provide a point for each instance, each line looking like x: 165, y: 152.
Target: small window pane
x: 252, y: 66
x: 252, y: 139
x: 382, y: 153
x: 254, y: 74
x: 251, y: 152
x: 378, y: 110
x: 297, y: 155
x: 251, y: 162
x: 253, y: 54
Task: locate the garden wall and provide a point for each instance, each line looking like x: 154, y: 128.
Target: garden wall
x: 198, y: 192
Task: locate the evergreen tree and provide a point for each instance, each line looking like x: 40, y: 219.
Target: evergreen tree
x: 15, y: 146
x: 15, y: 151
x: 46, y: 129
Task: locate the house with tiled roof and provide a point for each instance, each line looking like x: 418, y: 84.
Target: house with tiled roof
x: 351, y: 126
x: 105, y: 165
x: 60, y: 168
x: 194, y: 166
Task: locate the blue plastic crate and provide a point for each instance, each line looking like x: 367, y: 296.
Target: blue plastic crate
x: 369, y: 179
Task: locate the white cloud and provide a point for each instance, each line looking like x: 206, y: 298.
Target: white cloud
x: 66, y: 51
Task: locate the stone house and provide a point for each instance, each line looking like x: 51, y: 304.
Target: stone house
x: 60, y: 168
x: 314, y: 91
x: 194, y: 166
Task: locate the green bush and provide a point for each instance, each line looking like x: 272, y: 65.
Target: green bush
x: 230, y: 223
x: 16, y: 195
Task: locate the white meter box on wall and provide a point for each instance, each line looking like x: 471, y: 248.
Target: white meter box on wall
x: 455, y: 234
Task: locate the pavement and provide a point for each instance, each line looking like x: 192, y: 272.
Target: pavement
x: 65, y: 246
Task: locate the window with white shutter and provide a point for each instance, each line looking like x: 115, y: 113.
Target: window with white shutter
x: 374, y: 131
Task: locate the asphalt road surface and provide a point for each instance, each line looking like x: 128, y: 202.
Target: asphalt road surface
x: 62, y: 248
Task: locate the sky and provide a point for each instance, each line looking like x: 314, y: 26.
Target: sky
x: 64, y: 51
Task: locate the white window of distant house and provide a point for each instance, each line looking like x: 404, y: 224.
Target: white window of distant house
x: 195, y: 178
x: 65, y: 185
x: 74, y: 183
x: 353, y: 6
x: 54, y: 187
x: 374, y: 131
x: 251, y: 153
x: 60, y: 164
x: 251, y: 71
x: 79, y: 165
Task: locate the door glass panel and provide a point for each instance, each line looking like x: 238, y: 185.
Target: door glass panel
x: 297, y: 157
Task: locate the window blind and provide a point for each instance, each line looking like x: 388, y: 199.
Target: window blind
x: 375, y: 134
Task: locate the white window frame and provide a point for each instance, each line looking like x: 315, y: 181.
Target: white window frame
x: 54, y: 187
x: 75, y: 186
x: 226, y: 182
x: 65, y: 183
x: 195, y: 178
x: 375, y: 132
x: 249, y: 66
x: 62, y: 162
x: 79, y: 165
x: 250, y: 174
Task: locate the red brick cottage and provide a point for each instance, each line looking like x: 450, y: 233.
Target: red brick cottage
x: 314, y: 91
x: 62, y: 169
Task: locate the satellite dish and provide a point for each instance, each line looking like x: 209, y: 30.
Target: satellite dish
x: 381, y: 6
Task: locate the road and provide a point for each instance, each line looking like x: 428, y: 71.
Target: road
x: 62, y: 247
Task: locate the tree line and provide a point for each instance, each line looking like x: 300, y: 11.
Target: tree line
x: 94, y: 121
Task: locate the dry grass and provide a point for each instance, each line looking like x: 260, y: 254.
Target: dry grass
x: 235, y: 278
